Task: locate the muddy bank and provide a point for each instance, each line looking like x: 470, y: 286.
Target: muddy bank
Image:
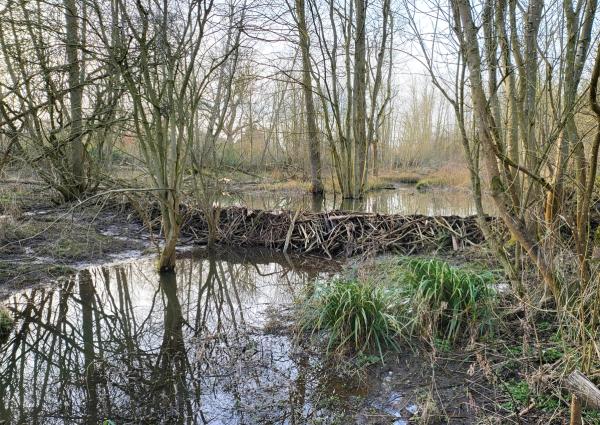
x: 41, y: 245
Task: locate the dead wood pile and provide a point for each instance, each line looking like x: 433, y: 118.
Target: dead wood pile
x: 336, y: 233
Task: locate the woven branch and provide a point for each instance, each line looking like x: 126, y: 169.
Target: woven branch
x: 338, y: 233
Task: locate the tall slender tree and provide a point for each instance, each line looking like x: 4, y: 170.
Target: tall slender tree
x: 314, y: 145
x: 75, y: 89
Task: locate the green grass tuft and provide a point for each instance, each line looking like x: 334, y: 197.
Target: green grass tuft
x: 443, y: 300
x: 355, y: 314
x: 412, y: 298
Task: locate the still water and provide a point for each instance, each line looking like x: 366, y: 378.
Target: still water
x: 402, y: 200
x: 121, y: 344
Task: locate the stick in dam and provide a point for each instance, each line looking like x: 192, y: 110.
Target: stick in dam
x: 337, y: 233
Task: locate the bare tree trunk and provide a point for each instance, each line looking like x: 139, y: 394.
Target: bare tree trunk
x: 375, y: 144
x: 375, y: 116
x: 467, y: 33
x: 314, y: 149
x: 359, y: 99
x: 75, y: 97
x: 171, y: 227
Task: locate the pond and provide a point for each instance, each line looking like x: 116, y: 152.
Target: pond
x: 404, y: 199
x: 211, y: 344
x: 214, y: 343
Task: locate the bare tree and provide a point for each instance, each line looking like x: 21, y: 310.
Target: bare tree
x: 346, y: 107
x: 359, y: 94
x: 44, y: 96
x: 159, y: 58
x: 311, y: 115
x: 75, y: 89
x: 520, y: 209
x: 207, y: 151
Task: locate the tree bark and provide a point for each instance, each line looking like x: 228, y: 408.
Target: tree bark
x: 359, y: 99
x: 314, y: 148
x: 75, y: 97
x: 171, y: 229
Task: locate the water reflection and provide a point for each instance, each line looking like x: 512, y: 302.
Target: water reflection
x: 404, y: 200
x: 125, y: 344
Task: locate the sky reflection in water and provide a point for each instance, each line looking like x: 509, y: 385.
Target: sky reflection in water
x: 126, y: 344
x: 404, y: 200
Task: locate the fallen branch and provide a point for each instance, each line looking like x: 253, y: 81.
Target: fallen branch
x: 584, y: 389
x: 29, y: 182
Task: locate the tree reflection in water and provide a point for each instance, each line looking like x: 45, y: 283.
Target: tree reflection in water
x: 404, y: 200
x: 126, y: 344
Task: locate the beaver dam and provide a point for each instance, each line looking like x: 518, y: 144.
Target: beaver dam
x: 337, y: 233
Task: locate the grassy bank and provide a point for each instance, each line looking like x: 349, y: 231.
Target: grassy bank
x: 402, y: 299
x: 447, y: 176
x: 511, y: 354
